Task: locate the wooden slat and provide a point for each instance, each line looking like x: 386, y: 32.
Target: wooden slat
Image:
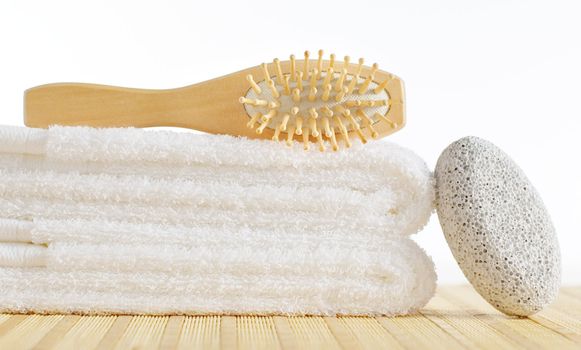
x: 4, y: 317
x: 228, y: 333
x: 29, y: 331
x: 456, y: 318
x: 312, y: 332
x: 88, y: 331
x: 202, y: 332
x: 10, y: 322
x: 342, y: 333
x: 568, y: 304
x: 144, y: 332
x: 52, y: 338
x: 472, y: 329
x: 114, y: 333
x: 417, y: 331
x: 256, y: 332
x: 171, y: 334
x: 522, y: 330
x: 563, y: 316
x: 370, y: 334
x: 285, y: 333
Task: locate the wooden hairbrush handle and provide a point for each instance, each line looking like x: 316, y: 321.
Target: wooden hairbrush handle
x: 211, y: 106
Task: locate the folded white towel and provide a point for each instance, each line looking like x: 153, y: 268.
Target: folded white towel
x: 397, y: 279
x: 381, y: 181
x: 266, y: 259
x: 200, y: 201
x: 134, y: 221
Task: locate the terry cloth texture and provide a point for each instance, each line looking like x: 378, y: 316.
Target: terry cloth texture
x: 152, y: 222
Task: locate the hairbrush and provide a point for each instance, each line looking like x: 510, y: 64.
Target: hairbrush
x: 326, y: 102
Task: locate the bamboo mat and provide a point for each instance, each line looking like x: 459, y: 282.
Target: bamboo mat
x: 455, y: 318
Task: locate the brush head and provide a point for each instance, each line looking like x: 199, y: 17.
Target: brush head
x: 323, y: 99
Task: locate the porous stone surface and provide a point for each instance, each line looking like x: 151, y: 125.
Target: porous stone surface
x: 497, y: 227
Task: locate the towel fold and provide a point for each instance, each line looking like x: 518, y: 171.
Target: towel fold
x: 76, y: 230
x: 23, y: 255
x: 42, y: 291
x: 134, y: 221
x: 266, y: 259
x: 152, y: 167
x: 395, y: 279
x: 197, y: 201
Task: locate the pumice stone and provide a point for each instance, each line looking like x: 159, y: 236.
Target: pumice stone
x: 497, y: 227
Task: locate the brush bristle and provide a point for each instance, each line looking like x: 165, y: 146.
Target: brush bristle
x: 317, y: 100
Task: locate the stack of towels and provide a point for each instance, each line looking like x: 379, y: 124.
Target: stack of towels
x: 158, y: 222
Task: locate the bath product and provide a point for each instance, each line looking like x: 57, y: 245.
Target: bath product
x: 497, y: 227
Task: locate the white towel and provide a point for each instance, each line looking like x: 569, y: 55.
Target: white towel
x: 134, y: 221
x: 152, y: 165
x: 396, y: 279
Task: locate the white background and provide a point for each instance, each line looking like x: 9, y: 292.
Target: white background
x: 507, y: 71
